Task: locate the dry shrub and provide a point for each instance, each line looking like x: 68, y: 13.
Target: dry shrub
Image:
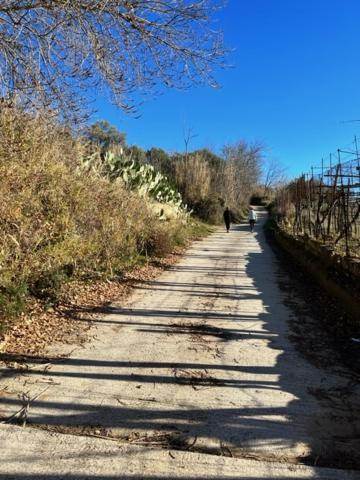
x: 193, y: 178
x: 163, y: 237
x: 55, y: 221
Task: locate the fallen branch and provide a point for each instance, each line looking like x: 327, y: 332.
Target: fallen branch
x: 23, y: 411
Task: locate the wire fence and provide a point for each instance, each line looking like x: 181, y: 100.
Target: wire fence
x: 324, y: 204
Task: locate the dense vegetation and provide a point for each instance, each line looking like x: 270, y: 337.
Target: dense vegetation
x: 59, y: 220
x: 207, y: 182
x: 83, y: 205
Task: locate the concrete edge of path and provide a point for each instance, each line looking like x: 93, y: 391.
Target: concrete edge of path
x: 54, y: 456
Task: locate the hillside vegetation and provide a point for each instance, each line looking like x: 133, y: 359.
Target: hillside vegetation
x: 77, y: 203
x: 59, y: 220
x: 89, y: 206
x: 206, y: 181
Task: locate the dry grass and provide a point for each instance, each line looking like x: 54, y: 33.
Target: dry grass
x: 57, y: 222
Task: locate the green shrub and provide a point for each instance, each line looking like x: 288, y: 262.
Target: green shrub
x: 209, y: 209
x: 12, y: 301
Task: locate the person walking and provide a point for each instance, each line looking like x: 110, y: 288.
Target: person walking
x: 227, y: 218
x: 252, y: 218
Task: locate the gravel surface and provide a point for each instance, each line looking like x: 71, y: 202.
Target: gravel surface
x: 196, y: 360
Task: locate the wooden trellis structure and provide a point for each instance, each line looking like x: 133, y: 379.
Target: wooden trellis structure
x: 325, y: 203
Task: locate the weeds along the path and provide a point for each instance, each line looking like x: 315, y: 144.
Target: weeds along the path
x: 59, y: 222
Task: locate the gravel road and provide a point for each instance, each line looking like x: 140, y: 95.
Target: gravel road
x: 197, y: 362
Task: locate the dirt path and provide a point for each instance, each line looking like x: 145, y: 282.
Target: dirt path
x: 197, y: 360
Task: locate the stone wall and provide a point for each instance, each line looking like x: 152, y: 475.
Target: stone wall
x: 337, y: 275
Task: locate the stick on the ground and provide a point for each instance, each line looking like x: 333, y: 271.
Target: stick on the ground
x: 22, y: 412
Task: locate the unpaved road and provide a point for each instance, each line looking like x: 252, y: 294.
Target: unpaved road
x: 194, y: 367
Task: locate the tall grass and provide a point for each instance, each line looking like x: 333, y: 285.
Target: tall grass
x: 57, y: 221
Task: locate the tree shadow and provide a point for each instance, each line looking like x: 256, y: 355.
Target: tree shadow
x: 276, y: 422
x: 121, y: 476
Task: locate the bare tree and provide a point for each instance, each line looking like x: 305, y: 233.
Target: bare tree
x: 274, y: 175
x: 189, y: 135
x: 52, y: 51
x: 241, y: 172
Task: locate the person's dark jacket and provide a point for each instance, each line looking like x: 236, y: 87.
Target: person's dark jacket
x: 227, y: 216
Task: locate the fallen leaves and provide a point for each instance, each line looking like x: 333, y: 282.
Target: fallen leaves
x: 78, y: 306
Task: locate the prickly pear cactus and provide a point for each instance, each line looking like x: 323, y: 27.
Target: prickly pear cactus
x: 142, y: 178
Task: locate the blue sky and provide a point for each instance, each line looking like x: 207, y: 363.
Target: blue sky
x: 294, y: 85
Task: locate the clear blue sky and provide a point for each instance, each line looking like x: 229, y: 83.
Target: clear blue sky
x: 295, y: 80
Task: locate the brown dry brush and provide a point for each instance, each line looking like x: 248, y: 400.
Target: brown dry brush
x: 56, y: 221
x: 209, y: 182
x: 192, y: 175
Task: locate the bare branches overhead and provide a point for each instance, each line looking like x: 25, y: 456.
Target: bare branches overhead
x: 52, y: 51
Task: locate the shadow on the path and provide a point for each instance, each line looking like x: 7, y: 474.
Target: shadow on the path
x: 25, y: 476
x: 238, y: 428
